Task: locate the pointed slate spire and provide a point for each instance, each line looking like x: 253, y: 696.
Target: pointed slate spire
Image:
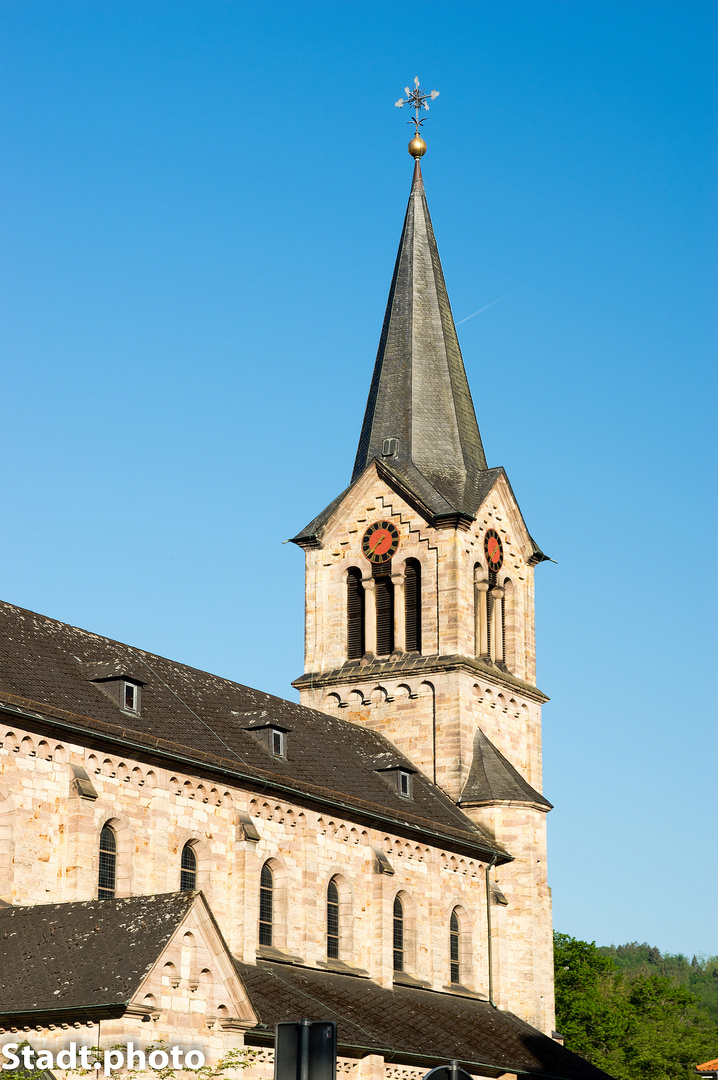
x: 419, y: 393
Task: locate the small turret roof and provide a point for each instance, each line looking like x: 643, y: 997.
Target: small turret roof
x: 493, y: 779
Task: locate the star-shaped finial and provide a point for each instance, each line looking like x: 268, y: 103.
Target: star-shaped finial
x: 417, y: 99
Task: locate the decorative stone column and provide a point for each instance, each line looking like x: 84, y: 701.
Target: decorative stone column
x: 497, y: 636
x: 397, y: 581
x: 481, y: 589
x: 369, y: 615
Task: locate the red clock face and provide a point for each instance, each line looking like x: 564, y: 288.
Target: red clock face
x: 494, y: 549
x: 380, y: 541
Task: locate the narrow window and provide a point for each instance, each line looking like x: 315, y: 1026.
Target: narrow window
x: 332, y: 920
x: 266, y: 903
x: 404, y: 784
x: 188, y: 869
x: 384, y: 593
x: 107, y: 877
x: 355, y: 615
x: 454, y: 948
x: 412, y: 599
x: 278, y: 743
x: 398, y: 935
x: 130, y: 697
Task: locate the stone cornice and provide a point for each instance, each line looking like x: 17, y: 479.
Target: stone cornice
x: 359, y: 671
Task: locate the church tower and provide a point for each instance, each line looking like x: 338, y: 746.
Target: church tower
x: 420, y: 605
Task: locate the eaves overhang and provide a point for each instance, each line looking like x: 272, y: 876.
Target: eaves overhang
x: 312, y: 796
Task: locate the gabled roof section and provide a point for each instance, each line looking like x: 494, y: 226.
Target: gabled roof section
x: 83, y: 956
x: 406, y: 1024
x: 493, y: 779
x: 196, y: 721
x: 419, y: 393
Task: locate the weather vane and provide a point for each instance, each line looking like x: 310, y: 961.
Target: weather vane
x: 417, y: 99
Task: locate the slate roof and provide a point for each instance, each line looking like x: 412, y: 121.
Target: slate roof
x: 406, y: 1023
x: 198, y: 720
x: 419, y: 392
x: 492, y: 778
x: 80, y: 957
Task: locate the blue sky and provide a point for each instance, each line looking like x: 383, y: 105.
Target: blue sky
x: 201, y: 205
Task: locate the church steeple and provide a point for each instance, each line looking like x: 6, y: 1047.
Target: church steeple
x: 420, y: 418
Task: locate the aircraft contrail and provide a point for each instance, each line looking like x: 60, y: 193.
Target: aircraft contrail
x: 485, y: 308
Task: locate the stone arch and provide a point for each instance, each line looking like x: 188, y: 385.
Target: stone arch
x: 137, y: 777
x: 378, y: 695
x: 93, y: 764
x: 43, y: 750
x: 331, y: 702
x: 151, y: 779
x: 170, y: 975
x: 203, y: 855
x: 188, y: 960
x: 7, y: 843
x: 462, y: 940
x: 27, y: 746
x: 408, y: 907
x: 108, y: 767
x: 279, y: 901
x: 345, y: 916
x: 60, y: 754
x: 123, y: 773
x: 125, y: 854
x: 11, y: 743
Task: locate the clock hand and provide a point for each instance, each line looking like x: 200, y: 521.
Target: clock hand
x: 376, y: 545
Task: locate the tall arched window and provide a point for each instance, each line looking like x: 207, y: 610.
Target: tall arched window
x: 384, y: 593
x: 454, y: 948
x: 412, y: 600
x: 398, y: 934
x: 188, y: 869
x: 332, y: 920
x: 266, y: 905
x: 355, y: 615
x: 107, y: 877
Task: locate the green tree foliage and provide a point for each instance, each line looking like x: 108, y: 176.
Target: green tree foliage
x: 699, y: 975
x: 635, y: 1025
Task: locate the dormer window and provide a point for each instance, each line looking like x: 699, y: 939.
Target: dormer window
x: 267, y: 730
x: 397, y: 774
x: 277, y: 743
x: 404, y: 779
x: 131, y: 697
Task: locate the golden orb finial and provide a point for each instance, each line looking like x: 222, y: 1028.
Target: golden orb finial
x: 417, y: 147
x: 417, y: 99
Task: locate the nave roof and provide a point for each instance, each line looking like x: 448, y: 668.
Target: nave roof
x: 200, y: 722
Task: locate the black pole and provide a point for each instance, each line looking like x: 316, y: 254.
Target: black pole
x: 304, y: 1029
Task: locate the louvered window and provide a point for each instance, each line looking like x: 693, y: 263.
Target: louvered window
x: 188, y: 869
x: 398, y: 935
x: 454, y: 948
x: 355, y: 615
x: 384, y: 593
x: 412, y: 597
x: 333, y: 921
x: 503, y: 627
x: 266, y: 905
x: 107, y: 876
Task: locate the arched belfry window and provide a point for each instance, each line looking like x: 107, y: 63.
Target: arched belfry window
x: 332, y: 920
x: 266, y: 905
x: 384, y: 593
x: 412, y: 601
x: 355, y: 615
x: 454, y: 947
x: 107, y: 877
x: 188, y: 869
x: 398, y: 934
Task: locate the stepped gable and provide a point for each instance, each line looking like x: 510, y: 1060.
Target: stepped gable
x: 83, y: 956
x: 201, y: 720
x: 408, y: 1024
x: 493, y: 779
